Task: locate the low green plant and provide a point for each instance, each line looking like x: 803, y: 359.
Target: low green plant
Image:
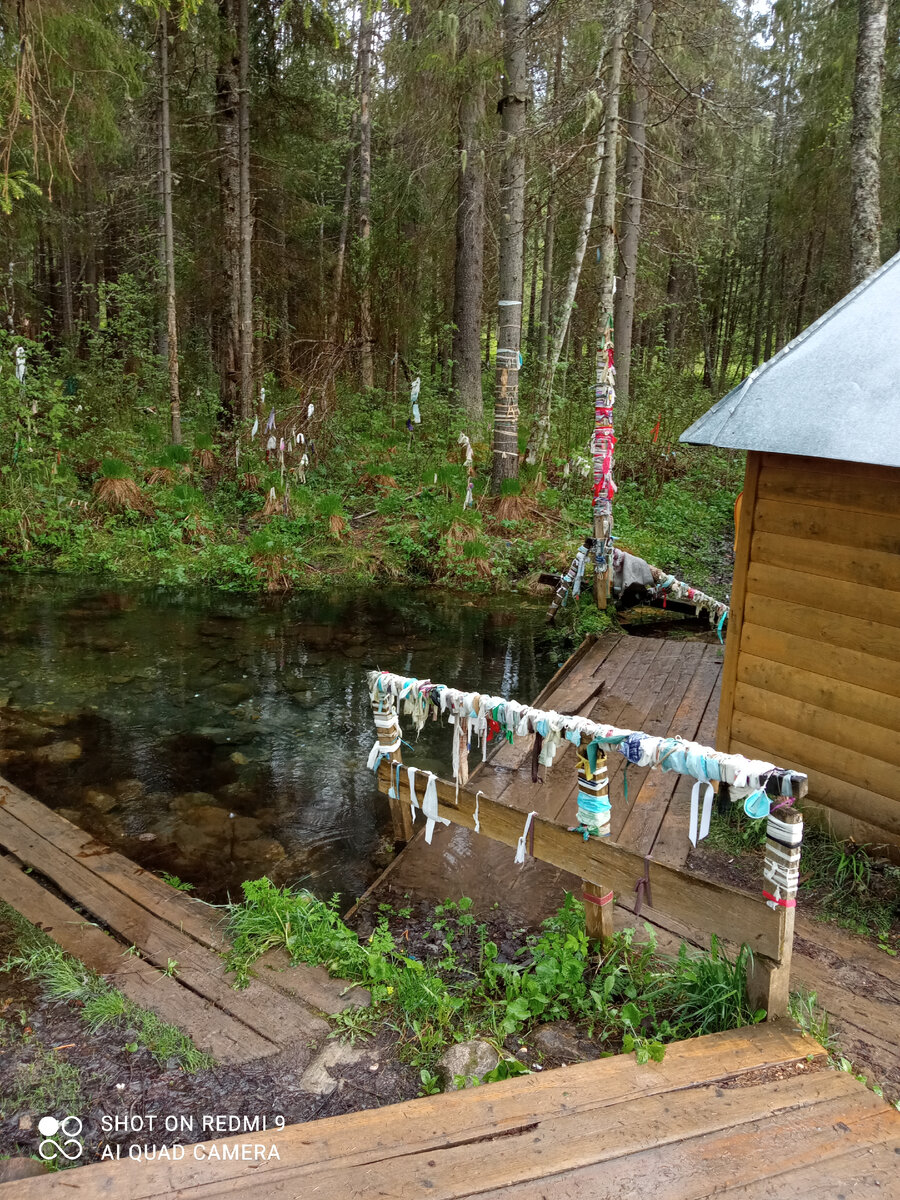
x: 175, y: 882
x: 65, y: 979
x: 632, y: 992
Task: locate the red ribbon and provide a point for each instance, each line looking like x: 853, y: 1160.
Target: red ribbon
x: 780, y: 903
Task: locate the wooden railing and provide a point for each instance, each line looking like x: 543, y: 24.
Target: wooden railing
x: 611, y: 872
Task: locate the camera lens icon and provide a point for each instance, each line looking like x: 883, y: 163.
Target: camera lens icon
x: 48, y: 1126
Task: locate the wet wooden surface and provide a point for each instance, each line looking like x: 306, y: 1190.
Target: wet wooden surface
x: 754, y: 1112
x: 162, y: 947
x: 651, y: 684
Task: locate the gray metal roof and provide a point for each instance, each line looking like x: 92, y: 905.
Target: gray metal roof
x: 833, y: 392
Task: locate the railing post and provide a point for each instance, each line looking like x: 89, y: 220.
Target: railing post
x: 387, y: 725
x: 593, y: 819
x: 769, y: 980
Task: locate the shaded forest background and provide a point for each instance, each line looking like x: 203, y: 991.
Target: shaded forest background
x: 222, y: 211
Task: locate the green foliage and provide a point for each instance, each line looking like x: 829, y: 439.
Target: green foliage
x: 632, y: 993
x: 65, y: 979
x: 114, y: 468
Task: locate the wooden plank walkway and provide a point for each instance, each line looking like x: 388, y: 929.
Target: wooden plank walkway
x: 753, y: 1112
x: 166, y: 926
x: 656, y: 685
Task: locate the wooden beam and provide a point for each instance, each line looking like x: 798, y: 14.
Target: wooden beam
x: 738, y: 592
x: 706, y: 906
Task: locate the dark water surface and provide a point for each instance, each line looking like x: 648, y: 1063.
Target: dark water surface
x: 221, y: 738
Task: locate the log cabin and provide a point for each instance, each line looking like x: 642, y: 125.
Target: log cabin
x: 811, y: 677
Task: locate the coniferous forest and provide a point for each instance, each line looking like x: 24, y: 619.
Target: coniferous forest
x: 267, y: 265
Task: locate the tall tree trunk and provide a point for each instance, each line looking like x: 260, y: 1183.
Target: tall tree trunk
x: 865, y: 141
x: 469, y: 260
x: 166, y: 150
x: 539, y: 439
x: 162, y: 341
x: 341, y: 257
x: 246, y: 216
x: 228, y: 132
x: 367, y: 366
x: 603, y: 440
x: 635, y: 155
x: 68, y: 307
x: 547, y: 278
x: 512, y: 244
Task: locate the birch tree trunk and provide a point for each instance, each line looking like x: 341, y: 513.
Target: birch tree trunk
x: 246, y: 217
x: 635, y: 155
x: 539, y: 440
x: 865, y: 141
x: 605, y: 392
x: 469, y: 258
x: 367, y: 367
x: 228, y: 134
x: 512, y: 244
x: 166, y: 155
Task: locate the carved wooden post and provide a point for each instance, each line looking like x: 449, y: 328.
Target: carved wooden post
x: 768, y: 981
x: 593, y: 820
x: 387, y: 724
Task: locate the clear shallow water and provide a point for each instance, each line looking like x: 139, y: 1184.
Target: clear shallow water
x: 222, y: 737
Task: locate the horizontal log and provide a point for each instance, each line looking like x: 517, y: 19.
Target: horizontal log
x: 705, y: 906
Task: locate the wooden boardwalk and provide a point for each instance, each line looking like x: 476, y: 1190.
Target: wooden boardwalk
x: 754, y: 1113
x: 657, y: 685
x: 149, y: 929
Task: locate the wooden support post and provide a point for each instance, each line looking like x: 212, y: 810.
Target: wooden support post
x: 598, y: 912
x: 769, y: 980
x: 387, y: 725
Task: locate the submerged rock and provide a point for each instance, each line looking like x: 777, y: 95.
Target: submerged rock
x: 188, y: 801
x: 101, y: 801
x: 239, y: 760
x: 127, y: 789
x: 259, y: 850
x: 56, y: 752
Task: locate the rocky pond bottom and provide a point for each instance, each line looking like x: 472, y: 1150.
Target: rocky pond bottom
x: 221, y: 738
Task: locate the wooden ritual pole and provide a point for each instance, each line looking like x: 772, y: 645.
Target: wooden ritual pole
x: 387, y: 724
x: 597, y: 898
x: 769, y: 980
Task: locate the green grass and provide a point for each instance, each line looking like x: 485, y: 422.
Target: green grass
x: 844, y: 883
x: 64, y: 979
x: 634, y: 998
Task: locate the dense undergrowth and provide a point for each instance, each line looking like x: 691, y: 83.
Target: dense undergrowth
x: 89, y: 484
x: 630, y: 998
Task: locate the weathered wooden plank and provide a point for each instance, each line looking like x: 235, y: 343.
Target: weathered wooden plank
x: 868, y: 1172
x: 852, y: 564
x: 268, y: 1012
x: 835, y: 760
x: 838, y: 729
x: 813, y: 1141
x: 837, y: 596
x: 562, y: 1143
x: 829, y: 527
x: 202, y: 921
x: 653, y: 799
x: 454, y: 1119
x: 211, y: 1029
x: 672, y: 845
x: 809, y: 687
x: 733, y: 637
x: 707, y: 906
x: 807, y: 653
x: 830, y: 629
x: 861, y: 491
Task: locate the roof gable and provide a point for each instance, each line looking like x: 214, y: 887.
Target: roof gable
x: 833, y: 392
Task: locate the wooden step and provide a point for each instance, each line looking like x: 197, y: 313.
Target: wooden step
x: 212, y: 1030
x: 492, y: 1136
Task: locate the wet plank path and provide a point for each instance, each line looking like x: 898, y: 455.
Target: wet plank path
x: 162, y: 948
x: 753, y: 1112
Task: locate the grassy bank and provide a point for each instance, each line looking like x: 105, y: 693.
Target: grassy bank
x: 90, y: 485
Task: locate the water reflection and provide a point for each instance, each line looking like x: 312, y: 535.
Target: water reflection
x: 221, y: 737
